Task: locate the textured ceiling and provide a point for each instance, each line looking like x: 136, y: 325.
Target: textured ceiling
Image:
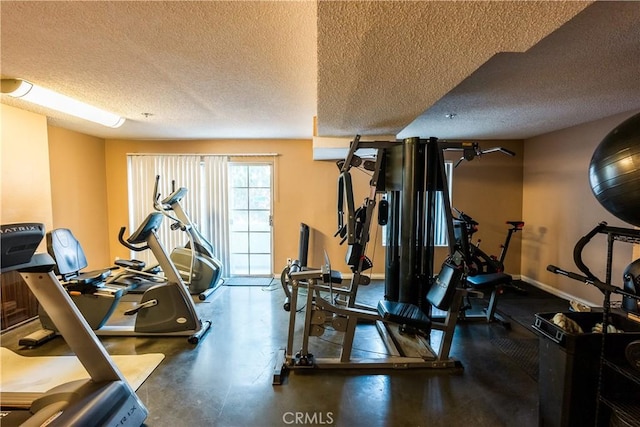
x: 392, y: 60
x: 203, y: 69
x: 242, y: 69
x: 587, y: 69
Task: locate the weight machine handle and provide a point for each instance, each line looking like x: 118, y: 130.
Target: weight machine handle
x: 577, y: 250
x: 507, y: 152
x: 605, y: 287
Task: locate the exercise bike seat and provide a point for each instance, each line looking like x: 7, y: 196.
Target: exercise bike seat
x: 516, y: 224
x: 70, y: 259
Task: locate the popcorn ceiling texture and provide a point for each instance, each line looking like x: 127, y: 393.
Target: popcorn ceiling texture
x: 264, y: 69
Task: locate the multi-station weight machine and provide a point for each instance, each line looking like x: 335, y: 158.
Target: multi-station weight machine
x: 411, y: 175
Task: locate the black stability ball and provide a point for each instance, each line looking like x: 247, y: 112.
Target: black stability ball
x: 614, y: 171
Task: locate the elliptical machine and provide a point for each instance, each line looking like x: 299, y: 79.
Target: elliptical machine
x: 198, y: 266
x: 165, y: 309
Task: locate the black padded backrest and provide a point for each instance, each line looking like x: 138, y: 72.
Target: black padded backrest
x: 66, y: 251
x: 444, y: 287
x: 303, y: 244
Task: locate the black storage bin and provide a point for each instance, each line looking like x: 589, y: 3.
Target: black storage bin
x: 569, y: 366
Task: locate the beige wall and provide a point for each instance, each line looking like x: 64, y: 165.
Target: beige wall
x: 66, y: 179
x: 304, y: 192
x: 560, y: 208
x: 86, y: 190
x: 86, y: 186
x: 489, y: 189
x: 26, y: 186
x: 79, y: 191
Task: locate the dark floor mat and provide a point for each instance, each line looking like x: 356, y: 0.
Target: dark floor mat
x: 519, y: 289
x: 524, y: 310
x: 521, y: 303
x: 523, y: 352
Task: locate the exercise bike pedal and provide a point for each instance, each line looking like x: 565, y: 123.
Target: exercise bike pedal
x: 146, y: 304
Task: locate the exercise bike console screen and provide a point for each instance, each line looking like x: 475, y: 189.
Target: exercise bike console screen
x: 19, y: 242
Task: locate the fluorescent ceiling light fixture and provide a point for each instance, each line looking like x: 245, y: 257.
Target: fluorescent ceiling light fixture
x: 27, y: 91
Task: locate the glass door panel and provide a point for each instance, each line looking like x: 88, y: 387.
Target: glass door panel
x: 251, y: 242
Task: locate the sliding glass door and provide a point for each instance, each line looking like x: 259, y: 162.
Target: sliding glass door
x: 250, y: 220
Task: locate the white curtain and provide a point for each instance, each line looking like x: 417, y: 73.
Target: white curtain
x: 205, y: 201
x: 215, y: 200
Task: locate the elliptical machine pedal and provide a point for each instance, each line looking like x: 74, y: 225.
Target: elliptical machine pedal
x: 37, y: 338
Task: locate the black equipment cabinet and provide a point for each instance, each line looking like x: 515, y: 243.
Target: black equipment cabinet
x: 619, y: 396
x: 577, y: 385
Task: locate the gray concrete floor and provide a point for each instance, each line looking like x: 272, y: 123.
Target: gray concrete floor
x: 226, y: 380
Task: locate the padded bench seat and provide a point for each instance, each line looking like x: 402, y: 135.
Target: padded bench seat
x: 404, y: 314
x: 483, y: 281
x: 493, y: 282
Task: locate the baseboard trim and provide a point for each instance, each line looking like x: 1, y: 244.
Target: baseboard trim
x: 556, y: 292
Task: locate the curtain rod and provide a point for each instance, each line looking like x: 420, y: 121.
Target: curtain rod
x: 207, y: 154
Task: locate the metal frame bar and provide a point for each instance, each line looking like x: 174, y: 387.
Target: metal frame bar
x: 78, y: 335
x: 401, y: 355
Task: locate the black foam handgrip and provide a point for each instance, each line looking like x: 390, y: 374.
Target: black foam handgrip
x: 578, y: 248
x: 574, y: 276
x: 553, y: 268
x: 588, y: 280
x: 294, y: 267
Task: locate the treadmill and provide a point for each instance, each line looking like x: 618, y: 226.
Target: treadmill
x: 106, y: 398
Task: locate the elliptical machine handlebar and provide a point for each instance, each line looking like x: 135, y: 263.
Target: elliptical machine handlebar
x: 164, y: 206
x: 129, y: 245
x: 174, y: 197
x: 149, y: 226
